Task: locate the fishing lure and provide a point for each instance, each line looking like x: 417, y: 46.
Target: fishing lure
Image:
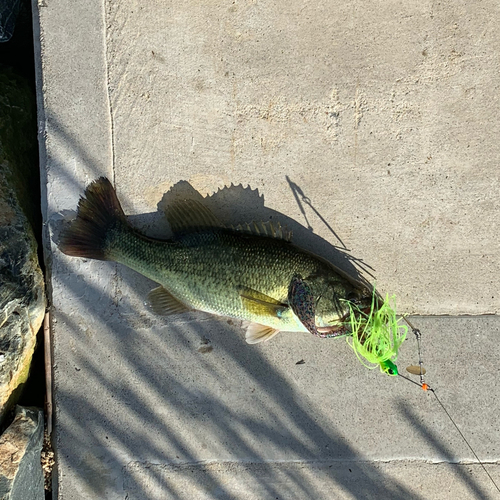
x: 377, y: 334
x: 374, y: 333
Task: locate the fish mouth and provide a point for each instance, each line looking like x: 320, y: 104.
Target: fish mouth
x: 334, y: 331
x: 365, y: 311
x: 343, y: 325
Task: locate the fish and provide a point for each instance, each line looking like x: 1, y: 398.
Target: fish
x: 251, y: 272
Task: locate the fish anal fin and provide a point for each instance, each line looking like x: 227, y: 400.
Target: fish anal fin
x: 164, y: 303
x: 189, y: 216
x: 260, y: 304
x: 256, y: 333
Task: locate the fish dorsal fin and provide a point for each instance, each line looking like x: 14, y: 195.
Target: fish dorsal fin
x: 164, y: 303
x: 256, y: 333
x: 269, y: 228
x: 260, y: 304
x: 190, y: 215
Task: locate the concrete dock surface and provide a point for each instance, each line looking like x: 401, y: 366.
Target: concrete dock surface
x: 368, y: 128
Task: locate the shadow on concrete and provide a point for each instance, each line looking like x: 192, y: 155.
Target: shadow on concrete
x: 83, y: 429
x: 154, y: 397
x: 88, y: 429
x: 234, y: 205
x: 439, y: 445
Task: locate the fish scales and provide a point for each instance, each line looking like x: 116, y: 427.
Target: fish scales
x: 206, y: 270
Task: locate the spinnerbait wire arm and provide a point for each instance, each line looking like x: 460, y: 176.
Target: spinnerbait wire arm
x: 418, y: 336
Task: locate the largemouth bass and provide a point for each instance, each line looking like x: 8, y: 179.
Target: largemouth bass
x: 252, y: 272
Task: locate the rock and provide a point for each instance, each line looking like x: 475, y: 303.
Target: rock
x: 21, y: 476
x: 22, y: 295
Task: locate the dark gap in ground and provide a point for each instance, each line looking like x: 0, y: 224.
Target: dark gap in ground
x: 18, y: 54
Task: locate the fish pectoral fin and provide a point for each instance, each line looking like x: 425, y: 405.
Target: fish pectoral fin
x: 164, y: 303
x: 301, y: 300
x: 190, y: 215
x: 256, y: 333
x: 260, y: 304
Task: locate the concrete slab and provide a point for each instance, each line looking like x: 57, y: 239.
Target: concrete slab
x: 137, y: 399
x: 370, y: 130
x: 346, y: 480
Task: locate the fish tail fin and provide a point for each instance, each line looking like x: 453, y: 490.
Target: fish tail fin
x: 99, y: 214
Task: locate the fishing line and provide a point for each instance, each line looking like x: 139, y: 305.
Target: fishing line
x: 426, y: 387
x: 410, y: 380
x: 463, y: 437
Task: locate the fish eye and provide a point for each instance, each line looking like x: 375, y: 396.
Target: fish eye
x: 352, y: 297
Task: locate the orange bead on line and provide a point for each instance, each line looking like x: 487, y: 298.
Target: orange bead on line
x: 425, y: 387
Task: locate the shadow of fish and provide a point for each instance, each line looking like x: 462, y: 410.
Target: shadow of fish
x: 250, y: 272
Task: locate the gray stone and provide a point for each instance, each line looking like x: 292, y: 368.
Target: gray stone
x: 22, y: 296
x: 21, y: 476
